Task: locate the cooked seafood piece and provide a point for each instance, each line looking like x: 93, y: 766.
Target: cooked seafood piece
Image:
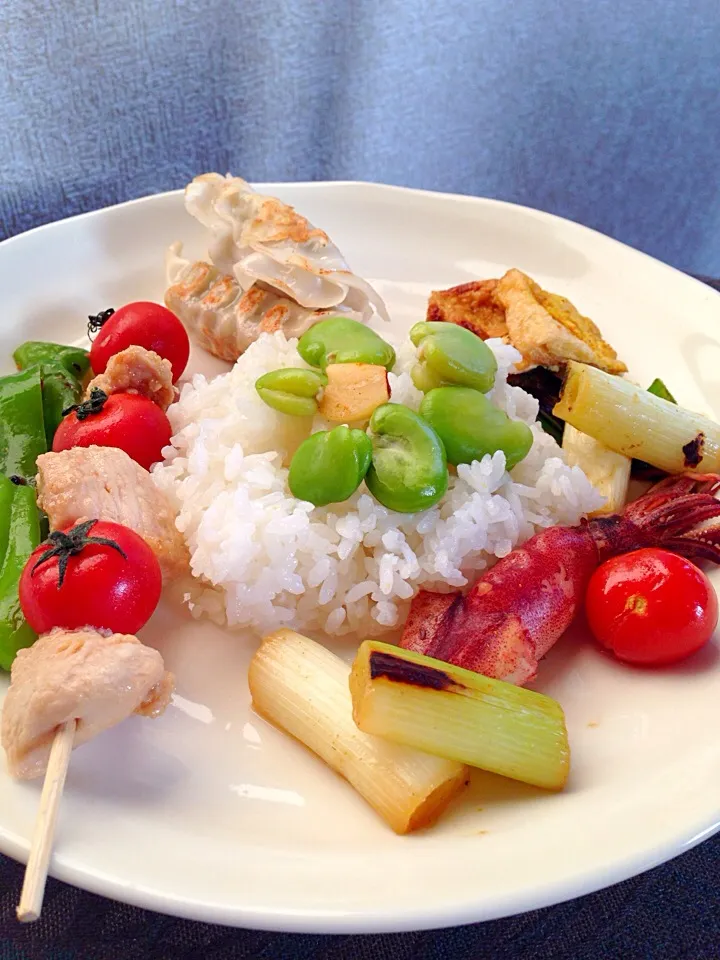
x: 545, y: 327
x: 223, y: 318
x: 137, y: 370
x: 96, y: 678
x: 104, y: 483
x: 261, y: 239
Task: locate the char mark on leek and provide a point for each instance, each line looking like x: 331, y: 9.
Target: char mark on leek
x: 693, y: 451
x: 403, y: 671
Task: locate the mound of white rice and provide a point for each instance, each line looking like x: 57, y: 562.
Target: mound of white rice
x: 264, y: 560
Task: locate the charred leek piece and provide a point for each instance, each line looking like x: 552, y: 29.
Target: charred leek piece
x: 440, y: 708
x: 607, y: 471
x: 302, y: 688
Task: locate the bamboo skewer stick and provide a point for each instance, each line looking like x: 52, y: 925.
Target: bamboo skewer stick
x: 33, y: 891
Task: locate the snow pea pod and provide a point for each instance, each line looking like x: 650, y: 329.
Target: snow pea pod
x: 470, y: 426
x: 291, y: 390
x: 19, y: 536
x: 330, y: 465
x: 22, y: 430
x: 449, y: 354
x: 344, y: 340
x: 409, y: 467
x: 75, y: 360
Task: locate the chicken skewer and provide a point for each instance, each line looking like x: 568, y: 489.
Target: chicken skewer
x: 64, y: 690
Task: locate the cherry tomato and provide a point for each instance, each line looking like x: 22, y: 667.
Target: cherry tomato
x: 651, y: 607
x: 126, y: 420
x: 142, y: 324
x: 94, y: 574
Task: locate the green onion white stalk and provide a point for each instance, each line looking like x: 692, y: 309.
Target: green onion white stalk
x: 607, y: 471
x: 303, y: 688
x: 635, y: 423
x: 440, y: 708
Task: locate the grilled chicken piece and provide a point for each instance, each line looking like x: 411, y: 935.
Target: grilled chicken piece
x: 548, y: 330
x: 223, y: 319
x: 545, y: 327
x: 104, y: 483
x: 472, y: 305
x: 96, y: 678
x: 137, y: 370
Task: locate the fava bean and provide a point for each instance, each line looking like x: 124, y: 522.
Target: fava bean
x: 344, y: 340
x: 330, y: 465
x: 408, y: 472
x: 470, y: 426
x: 449, y: 354
x: 291, y: 390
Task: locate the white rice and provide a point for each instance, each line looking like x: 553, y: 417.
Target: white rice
x: 264, y: 560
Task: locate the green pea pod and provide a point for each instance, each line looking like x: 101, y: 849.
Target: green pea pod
x: 470, y: 426
x: 449, y: 354
x: 292, y: 390
x: 20, y: 535
x: 330, y: 465
x: 22, y: 430
x: 409, y: 467
x: 344, y: 340
x: 75, y: 360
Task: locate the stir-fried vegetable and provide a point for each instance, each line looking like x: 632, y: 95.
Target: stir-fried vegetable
x: 344, y: 340
x: 409, y: 468
x: 302, y: 688
x: 75, y: 360
x: 448, y: 354
x: 19, y: 536
x: 330, y: 465
x: 453, y: 713
x: 470, y: 426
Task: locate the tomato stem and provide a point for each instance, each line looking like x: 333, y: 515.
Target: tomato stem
x: 95, y: 323
x: 66, y: 545
x: 97, y: 400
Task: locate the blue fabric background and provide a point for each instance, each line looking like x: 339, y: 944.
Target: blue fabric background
x: 605, y: 111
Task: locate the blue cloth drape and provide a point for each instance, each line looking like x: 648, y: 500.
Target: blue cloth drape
x: 605, y: 111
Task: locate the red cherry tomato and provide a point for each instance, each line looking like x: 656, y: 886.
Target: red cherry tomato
x: 651, y: 607
x: 101, y: 586
x: 126, y: 420
x: 142, y: 324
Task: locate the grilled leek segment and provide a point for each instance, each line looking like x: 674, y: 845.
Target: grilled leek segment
x: 442, y: 709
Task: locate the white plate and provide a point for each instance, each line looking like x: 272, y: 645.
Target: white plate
x: 212, y: 814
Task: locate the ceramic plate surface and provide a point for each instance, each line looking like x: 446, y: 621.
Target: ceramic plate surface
x: 212, y: 814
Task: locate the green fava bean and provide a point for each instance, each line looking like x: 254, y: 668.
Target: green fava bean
x: 449, y: 354
x: 291, y: 390
x: 470, y: 426
x: 344, y: 340
x: 330, y: 465
x: 409, y: 468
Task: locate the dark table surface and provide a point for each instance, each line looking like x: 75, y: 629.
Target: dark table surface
x: 670, y: 913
